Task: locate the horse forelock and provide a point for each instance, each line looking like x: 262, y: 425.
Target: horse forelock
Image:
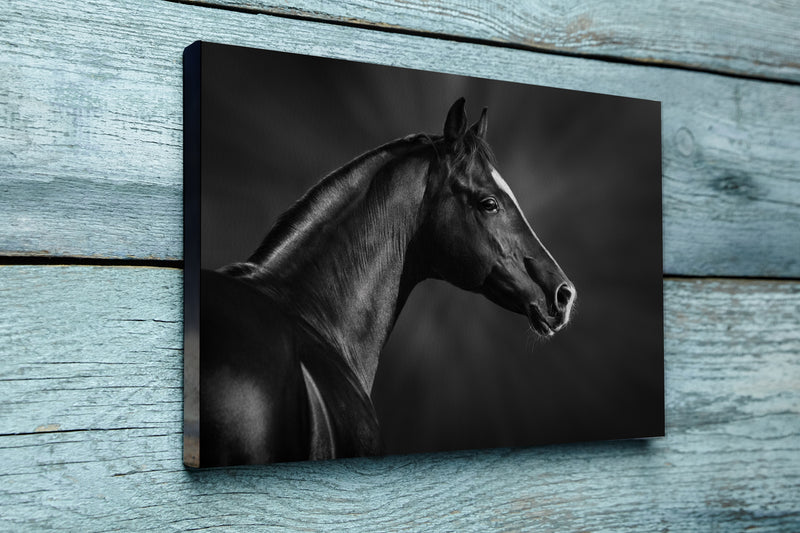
x: 471, y: 149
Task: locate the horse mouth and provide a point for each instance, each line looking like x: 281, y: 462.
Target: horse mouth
x: 538, y: 322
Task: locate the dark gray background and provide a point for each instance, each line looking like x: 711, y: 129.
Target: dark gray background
x: 458, y: 371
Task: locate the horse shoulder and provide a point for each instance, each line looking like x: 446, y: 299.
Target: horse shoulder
x: 253, y: 400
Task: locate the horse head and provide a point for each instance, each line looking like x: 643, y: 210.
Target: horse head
x: 477, y: 237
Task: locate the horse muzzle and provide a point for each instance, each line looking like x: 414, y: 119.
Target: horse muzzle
x: 552, y: 313
x: 543, y: 323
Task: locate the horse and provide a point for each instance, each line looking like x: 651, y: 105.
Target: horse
x: 292, y: 337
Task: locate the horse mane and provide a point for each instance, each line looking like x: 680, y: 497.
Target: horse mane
x: 319, y: 197
x: 322, y: 195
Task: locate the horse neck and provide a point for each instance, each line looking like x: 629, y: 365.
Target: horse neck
x: 348, y: 272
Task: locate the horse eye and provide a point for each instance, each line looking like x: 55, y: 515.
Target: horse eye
x: 489, y: 205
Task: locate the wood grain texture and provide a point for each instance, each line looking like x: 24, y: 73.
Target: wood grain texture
x: 90, y: 429
x: 750, y: 38
x: 90, y: 157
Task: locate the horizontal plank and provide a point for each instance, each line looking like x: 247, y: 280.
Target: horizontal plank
x: 91, y: 136
x: 749, y: 38
x: 90, y: 429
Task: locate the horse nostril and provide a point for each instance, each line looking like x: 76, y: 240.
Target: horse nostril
x: 564, y: 296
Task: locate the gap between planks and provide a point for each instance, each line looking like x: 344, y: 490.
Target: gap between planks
x: 42, y: 260
x: 53, y: 260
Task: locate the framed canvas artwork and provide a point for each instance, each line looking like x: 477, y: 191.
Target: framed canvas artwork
x: 381, y: 260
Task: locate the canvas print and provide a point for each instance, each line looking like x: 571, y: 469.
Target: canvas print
x: 382, y: 260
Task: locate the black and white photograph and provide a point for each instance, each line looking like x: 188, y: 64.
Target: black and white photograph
x: 381, y: 260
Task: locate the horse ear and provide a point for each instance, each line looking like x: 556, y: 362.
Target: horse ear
x: 456, y: 123
x: 479, y: 128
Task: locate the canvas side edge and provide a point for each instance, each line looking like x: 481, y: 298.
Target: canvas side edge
x: 192, y: 73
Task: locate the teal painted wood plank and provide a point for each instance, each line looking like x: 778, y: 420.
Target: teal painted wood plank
x: 90, y: 429
x: 90, y: 144
x: 749, y: 38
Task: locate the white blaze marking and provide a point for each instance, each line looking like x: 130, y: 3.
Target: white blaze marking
x: 498, y: 179
x: 504, y: 186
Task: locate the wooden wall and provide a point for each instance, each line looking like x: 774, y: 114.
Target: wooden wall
x: 91, y: 279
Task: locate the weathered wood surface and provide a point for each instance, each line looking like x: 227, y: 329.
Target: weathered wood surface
x: 90, y: 153
x: 90, y: 429
x: 751, y: 38
x: 91, y: 358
